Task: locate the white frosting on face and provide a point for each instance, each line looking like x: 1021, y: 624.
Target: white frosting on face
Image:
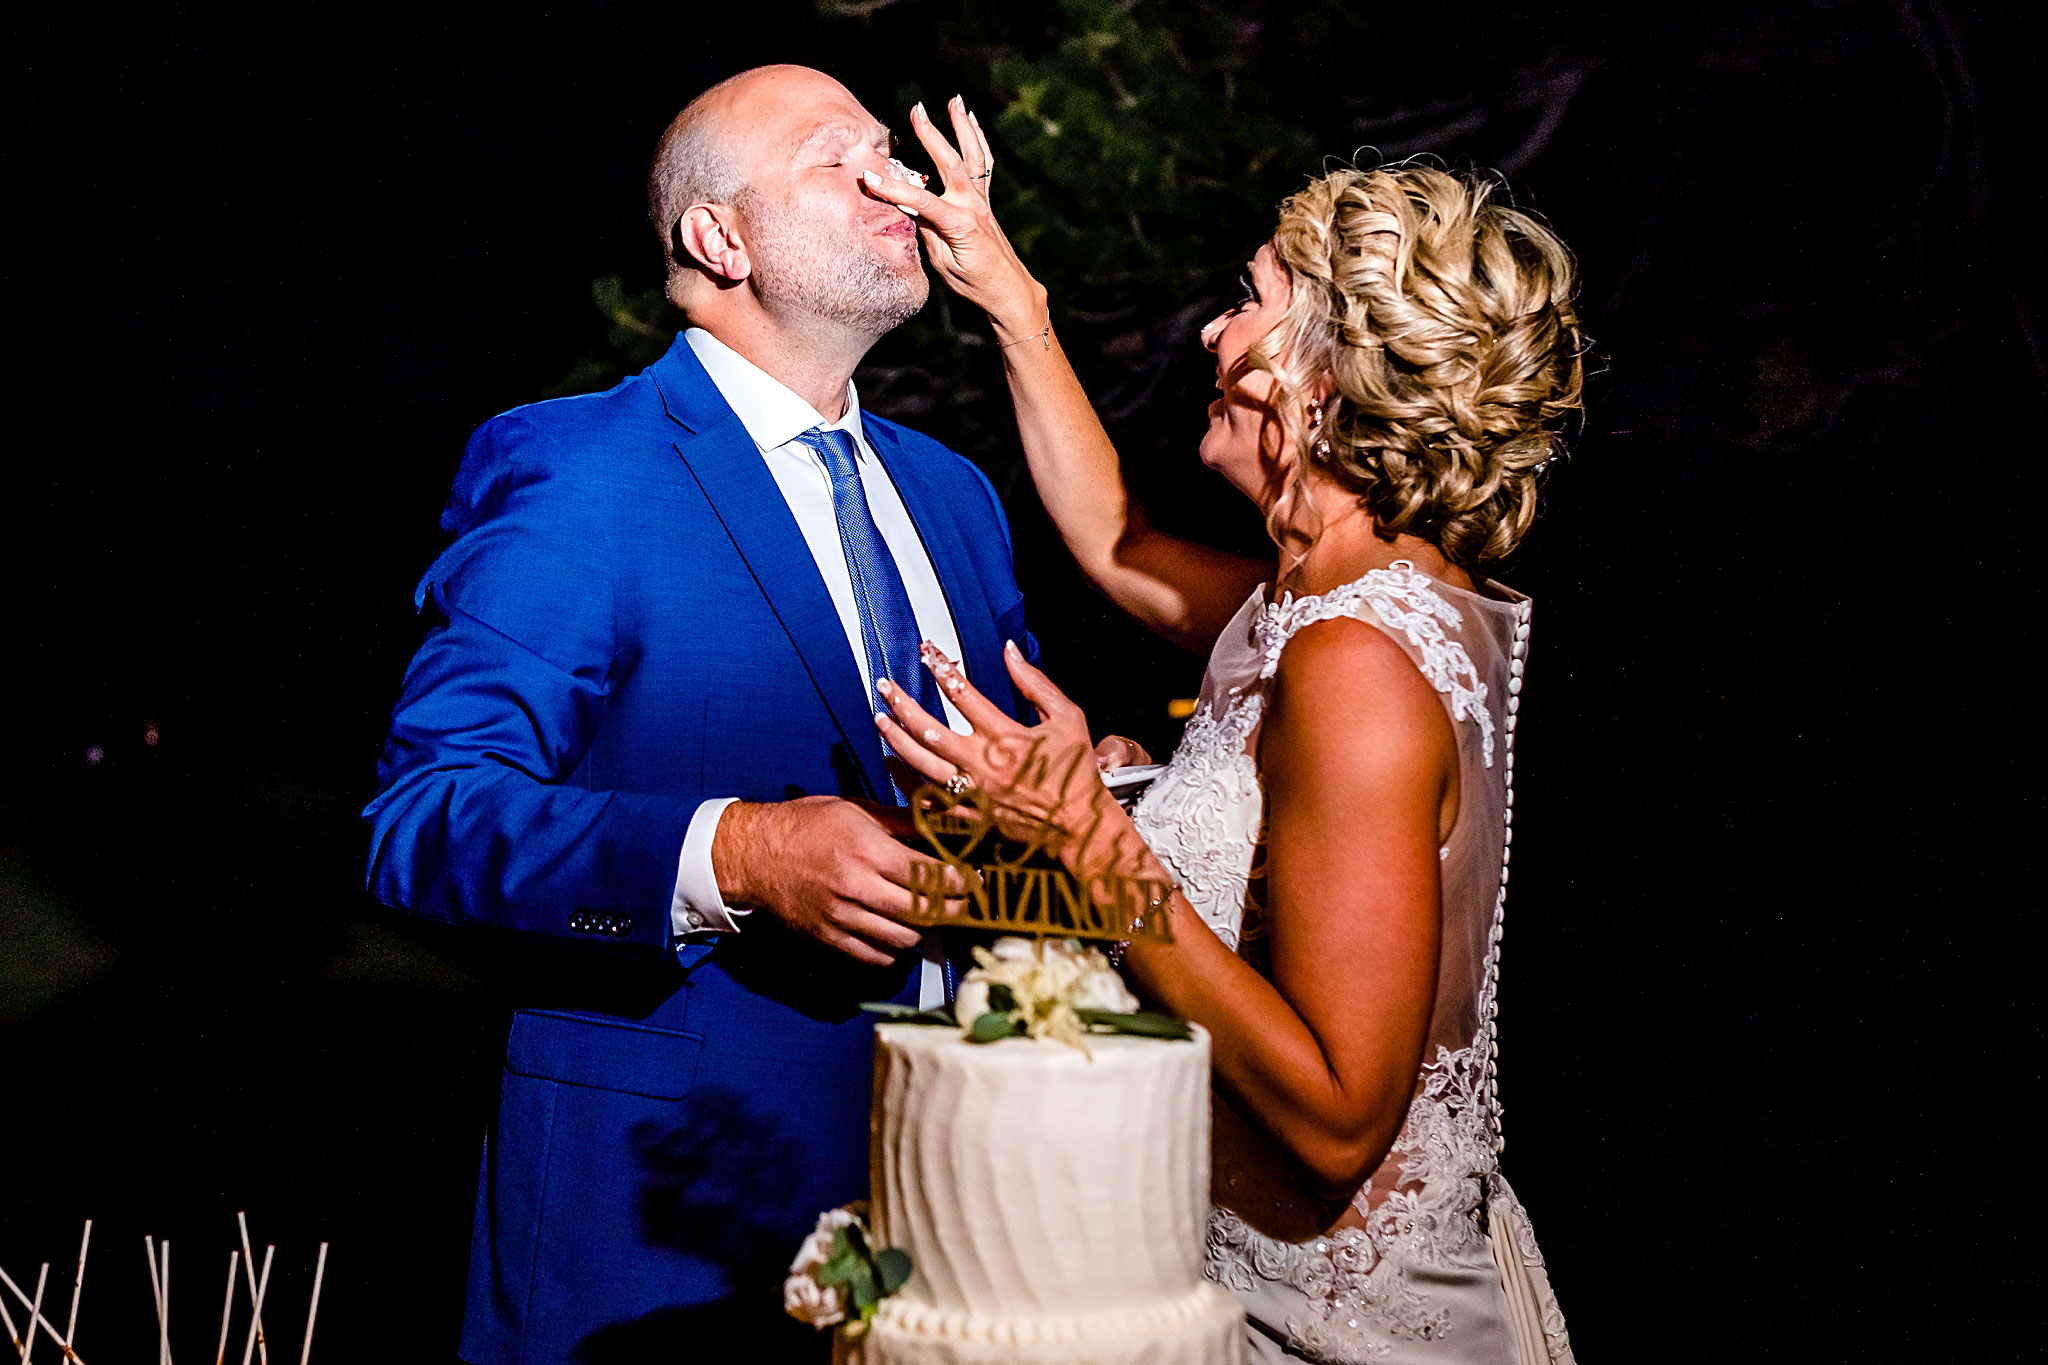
x: 907, y: 176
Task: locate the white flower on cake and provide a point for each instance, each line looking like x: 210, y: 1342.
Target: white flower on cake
x: 803, y: 1298
x: 1041, y: 986
x: 839, y: 1269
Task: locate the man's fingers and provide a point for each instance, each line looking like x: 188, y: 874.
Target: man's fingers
x: 951, y: 169
x: 1117, y: 752
x: 897, y: 872
x: 857, y: 949
x: 864, y: 921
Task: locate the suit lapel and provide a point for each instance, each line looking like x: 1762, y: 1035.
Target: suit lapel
x: 728, y: 467
x: 981, y: 652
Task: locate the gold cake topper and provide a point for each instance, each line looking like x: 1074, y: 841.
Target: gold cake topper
x: 1015, y: 881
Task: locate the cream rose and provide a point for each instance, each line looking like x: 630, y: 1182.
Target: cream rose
x: 803, y: 1298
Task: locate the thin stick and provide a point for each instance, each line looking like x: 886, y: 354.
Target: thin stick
x: 77, y: 1285
x: 256, y: 1312
x: 313, y: 1308
x: 227, y: 1306
x: 34, y: 1319
x: 249, y: 1269
x: 35, y: 1315
x: 156, y: 1292
x: 7, y: 1318
x: 167, y: 1301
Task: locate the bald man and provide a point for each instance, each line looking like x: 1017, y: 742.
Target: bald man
x: 645, y: 696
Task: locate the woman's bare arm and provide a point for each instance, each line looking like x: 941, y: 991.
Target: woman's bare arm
x: 1359, y: 761
x: 1180, y: 588
x: 1186, y: 591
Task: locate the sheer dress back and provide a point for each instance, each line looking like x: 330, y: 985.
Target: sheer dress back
x: 1409, y: 1271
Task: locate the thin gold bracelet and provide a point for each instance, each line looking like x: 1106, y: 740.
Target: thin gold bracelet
x: 1043, y: 334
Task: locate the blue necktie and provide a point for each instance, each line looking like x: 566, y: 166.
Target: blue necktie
x: 888, y: 627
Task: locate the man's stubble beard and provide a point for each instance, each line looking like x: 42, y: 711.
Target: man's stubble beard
x: 802, y: 269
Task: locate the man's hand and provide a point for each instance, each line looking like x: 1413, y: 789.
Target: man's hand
x: 1115, y: 751
x: 823, y: 866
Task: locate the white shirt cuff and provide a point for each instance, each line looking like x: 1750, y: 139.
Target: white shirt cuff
x: 697, y: 908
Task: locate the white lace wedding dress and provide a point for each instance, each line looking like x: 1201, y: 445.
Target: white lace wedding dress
x: 1435, y: 1261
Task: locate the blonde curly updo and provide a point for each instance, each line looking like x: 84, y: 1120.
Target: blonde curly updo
x: 1446, y: 321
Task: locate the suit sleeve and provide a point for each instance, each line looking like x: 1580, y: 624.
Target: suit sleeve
x: 474, y: 820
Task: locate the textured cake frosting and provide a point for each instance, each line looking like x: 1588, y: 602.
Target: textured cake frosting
x: 1054, y: 1203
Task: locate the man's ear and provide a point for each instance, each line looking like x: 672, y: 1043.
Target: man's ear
x: 709, y: 233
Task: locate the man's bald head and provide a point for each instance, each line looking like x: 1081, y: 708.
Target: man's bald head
x: 712, y: 152
x: 694, y: 163
x: 757, y: 192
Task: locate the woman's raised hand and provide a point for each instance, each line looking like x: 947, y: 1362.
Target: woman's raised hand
x: 961, y: 236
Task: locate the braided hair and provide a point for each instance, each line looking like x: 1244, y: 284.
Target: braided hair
x: 1446, y: 322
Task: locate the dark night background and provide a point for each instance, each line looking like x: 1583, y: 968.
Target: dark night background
x: 1767, y: 1020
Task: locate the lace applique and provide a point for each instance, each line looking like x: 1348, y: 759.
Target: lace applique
x: 1405, y: 600
x: 1194, y: 815
x: 1360, y: 1299
x: 1357, y: 1303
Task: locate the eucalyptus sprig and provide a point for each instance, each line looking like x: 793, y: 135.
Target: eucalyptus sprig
x: 1003, y: 1019
x: 910, y: 1014
x: 867, y: 1276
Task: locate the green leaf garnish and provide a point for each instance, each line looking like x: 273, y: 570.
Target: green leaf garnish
x: 861, y: 1287
x: 1142, y: 1024
x: 893, y: 1267
x: 1001, y: 998
x: 990, y: 1027
x: 909, y: 1014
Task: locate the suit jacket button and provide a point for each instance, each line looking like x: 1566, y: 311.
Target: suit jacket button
x: 625, y: 926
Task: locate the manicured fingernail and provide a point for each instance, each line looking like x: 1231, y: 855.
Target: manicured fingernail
x: 871, y: 178
x: 960, y: 103
x: 881, y: 718
x: 1010, y: 648
x: 885, y: 687
x: 917, y: 110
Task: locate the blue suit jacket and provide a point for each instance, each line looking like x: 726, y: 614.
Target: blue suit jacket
x: 628, y: 621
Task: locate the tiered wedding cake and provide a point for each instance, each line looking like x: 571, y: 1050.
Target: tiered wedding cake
x: 1052, y: 1201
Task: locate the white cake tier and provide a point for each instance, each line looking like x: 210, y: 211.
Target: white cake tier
x: 1204, y: 1326
x: 1031, y: 1183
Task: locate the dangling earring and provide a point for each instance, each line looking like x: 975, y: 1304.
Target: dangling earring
x: 1321, y: 443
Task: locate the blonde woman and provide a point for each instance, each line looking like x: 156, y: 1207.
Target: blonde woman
x: 1338, y: 814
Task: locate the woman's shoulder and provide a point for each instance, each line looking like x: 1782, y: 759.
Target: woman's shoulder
x: 1399, y: 619
x: 1398, y: 599
x: 1348, y: 698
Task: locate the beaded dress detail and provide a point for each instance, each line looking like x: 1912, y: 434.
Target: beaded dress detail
x: 1435, y: 1260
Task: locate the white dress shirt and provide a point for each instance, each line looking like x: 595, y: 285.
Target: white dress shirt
x: 774, y: 417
